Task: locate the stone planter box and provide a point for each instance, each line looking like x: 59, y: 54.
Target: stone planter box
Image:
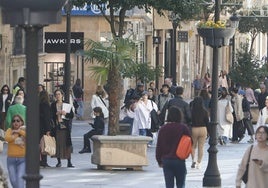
x: 120, y: 151
x: 216, y: 37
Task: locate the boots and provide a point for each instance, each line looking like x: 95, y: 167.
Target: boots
x: 70, y: 165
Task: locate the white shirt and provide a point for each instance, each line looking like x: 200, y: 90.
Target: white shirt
x: 4, y: 101
x: 97, y: 102
x: 142, y: 119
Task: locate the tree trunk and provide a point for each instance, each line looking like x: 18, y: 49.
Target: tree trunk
x: 115, y: 87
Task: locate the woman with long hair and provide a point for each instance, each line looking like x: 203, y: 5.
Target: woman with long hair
x: 15, y: 137
x: 225, y: 130
x: 44, y: 117
x: 200, y: 121
x: 62, y: 114
x: 167, y: 142
x: 5, y: 102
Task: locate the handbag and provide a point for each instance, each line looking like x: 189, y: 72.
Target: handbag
x: 228, y: 114
x: 155, y: 121
x: 1, y: 146
x: 48, y: 145
x: 245, y: 175
x: 184, y: 147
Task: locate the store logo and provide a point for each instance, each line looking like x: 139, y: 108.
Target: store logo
x: 62, y: 41
x: 56, y: 42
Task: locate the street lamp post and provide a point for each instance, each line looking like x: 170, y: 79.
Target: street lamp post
x: 174, y: 18
x: 212, y: 175
x: 32, y: 16
x: 67, y: 66
x: 234, y: 21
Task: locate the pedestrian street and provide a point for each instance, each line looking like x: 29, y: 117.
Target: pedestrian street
x: 86, y: 174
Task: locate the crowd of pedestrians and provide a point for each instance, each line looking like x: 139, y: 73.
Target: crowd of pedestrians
x: 176, y: 117
x: 55, y: 119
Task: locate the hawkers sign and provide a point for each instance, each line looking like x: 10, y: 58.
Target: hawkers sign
x: 55, y: 42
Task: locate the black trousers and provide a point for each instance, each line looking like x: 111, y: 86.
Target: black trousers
x: 238, y: 130
x: 248, y: 125
x: 88, y: 135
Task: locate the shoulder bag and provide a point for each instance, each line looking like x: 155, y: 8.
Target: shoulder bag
x: 154, y: 119
x: 184, y: 147
x: 228, y: 114
x: 245, y: 175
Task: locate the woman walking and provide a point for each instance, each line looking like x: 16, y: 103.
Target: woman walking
x: 15, y: 136
x: 200, y: 121
x: 258, y: 162
x: 62, y: 114
x: 224, y: 127
x: 44, y: 117
x: 168, y: 139
x: 5, y: 102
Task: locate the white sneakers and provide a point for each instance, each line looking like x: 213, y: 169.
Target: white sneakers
x: 196, y: 165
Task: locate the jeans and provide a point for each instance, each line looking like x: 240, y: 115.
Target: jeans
x: 80, y: 110
x: 16, y: 169
x: 143, y: 132
x: 174, y: 169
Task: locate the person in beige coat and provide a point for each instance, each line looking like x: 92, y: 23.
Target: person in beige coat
x: 258, y: 162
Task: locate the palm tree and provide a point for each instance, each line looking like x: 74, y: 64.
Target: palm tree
x: 115, y: 58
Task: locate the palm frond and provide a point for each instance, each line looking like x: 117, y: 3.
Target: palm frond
x: 99, y: 73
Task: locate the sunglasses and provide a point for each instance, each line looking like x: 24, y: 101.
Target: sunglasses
x: 5, y: 89
x: 16, y: 120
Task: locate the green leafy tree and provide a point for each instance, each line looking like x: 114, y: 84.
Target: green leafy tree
x: 253, y: 26
x: 143, y: 72
x: 247, y: 69
x: 114, y: 11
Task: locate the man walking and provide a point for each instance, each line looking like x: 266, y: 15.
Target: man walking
x: 181, y: 104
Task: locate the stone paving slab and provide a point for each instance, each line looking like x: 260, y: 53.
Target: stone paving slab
x: 86, y: 174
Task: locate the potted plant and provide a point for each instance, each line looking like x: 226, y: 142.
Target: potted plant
x: 215, y: 34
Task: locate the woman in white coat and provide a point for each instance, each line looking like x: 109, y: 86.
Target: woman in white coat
x: 224, y: 127
x: 99, y: 100
x: 263, y: 116
x: 142, y: 119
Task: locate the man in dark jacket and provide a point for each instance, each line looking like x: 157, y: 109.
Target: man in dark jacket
x: 78, y: 98
x: 180, y: 103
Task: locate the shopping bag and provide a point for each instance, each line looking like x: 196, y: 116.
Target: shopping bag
x: 48, y: 145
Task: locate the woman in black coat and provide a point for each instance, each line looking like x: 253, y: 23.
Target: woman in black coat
x: 62, y: 115
x: 5, y: 102
x: 44, y: 117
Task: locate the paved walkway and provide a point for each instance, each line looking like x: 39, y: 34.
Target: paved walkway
x: 86, y: 174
